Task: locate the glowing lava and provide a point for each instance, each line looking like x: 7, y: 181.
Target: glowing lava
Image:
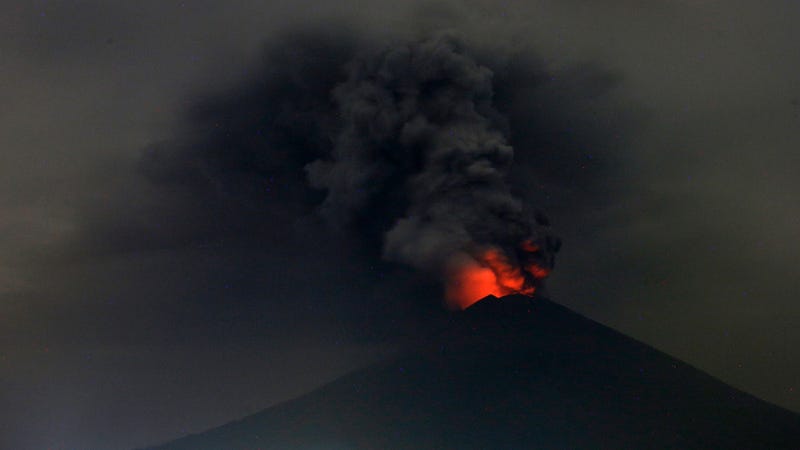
x: 491, y: 272
x: 469, y: 283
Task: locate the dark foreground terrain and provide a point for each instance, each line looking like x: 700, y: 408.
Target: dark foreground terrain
x: 516, y: 373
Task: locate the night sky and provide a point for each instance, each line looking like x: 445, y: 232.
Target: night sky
x: 166, y: 266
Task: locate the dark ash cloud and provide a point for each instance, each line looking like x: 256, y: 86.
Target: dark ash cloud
x: 421, y: 150
x: 419, y: 144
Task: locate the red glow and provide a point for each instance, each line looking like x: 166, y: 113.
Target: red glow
x: 537, y: 271
x: 490, y: 273
x: 469, y: 283
x: 508, y: 276
x: 529, y: 246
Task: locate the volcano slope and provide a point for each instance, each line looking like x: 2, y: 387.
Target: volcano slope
x: 517, y: 373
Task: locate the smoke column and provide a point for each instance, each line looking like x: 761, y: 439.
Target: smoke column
x: 418, y: 140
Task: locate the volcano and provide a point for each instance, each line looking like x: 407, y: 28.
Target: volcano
x: 517, y: 373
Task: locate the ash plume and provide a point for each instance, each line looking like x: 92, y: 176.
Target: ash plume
x: 417, y: 128
x: 430, y: 153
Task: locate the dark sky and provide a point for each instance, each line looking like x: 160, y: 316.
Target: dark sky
x: 162, y: 269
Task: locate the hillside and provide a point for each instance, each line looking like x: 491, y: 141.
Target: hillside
x: 516, y: 373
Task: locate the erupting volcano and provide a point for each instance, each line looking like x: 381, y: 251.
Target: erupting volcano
x: 416, y: 127
x: 493, y: 272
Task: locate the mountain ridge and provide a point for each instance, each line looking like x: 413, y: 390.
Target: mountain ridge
x: 517, y: 372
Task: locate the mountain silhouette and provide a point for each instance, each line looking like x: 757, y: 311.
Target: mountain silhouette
x: 517, y: 373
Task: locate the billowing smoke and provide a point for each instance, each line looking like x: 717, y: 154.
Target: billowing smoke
x: 416, y: 130
x: 405, y: 147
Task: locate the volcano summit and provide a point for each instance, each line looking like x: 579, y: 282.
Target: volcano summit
x: 517, y: 373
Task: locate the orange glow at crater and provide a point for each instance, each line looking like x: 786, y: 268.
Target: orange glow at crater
x: 469, y: 283
x: 471, y: 278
